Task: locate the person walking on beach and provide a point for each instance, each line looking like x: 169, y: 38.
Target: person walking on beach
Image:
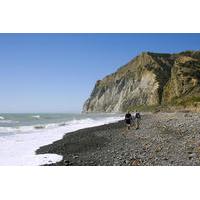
x: 128, y: 119
x: 137, y: 119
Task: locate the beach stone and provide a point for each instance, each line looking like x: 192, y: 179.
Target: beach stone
x: 66, y: 162
x: 135, y: 162
x: 192, y: 155
x: 75, y: 157
x: 198, y: 143
x: 126, y: 162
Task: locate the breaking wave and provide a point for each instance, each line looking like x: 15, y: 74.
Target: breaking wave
x: 73, y: 124
x: 8, y: 122
x: 2, y: 118
x: 36, y: 116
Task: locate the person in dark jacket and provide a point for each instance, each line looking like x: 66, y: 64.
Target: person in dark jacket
x: 128, y: 119
x: 137, y: 119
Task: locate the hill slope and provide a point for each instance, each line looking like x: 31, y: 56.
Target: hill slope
x: 150, y: 79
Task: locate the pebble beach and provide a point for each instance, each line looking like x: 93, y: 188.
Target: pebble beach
x: 164, y: 139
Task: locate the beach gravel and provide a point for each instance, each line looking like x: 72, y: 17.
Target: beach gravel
x: 164, y: 139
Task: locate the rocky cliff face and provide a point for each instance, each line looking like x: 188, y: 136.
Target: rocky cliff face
x: 149, y: 79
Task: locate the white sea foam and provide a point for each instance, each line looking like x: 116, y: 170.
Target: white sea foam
x: 17, y: 130
x: 8, y: 122
x: 19, y: 148
x: 2, y: 118
x: 36, y: 116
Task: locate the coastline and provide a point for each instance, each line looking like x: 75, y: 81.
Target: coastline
x: 164, y: 139
x: 20, y: 140
x: 84, y: 143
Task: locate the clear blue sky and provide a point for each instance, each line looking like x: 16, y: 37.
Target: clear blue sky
x: 57, y: 72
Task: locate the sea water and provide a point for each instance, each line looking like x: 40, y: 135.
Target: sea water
x: 22, y: 134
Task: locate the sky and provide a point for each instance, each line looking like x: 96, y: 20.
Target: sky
x: 57, y: 72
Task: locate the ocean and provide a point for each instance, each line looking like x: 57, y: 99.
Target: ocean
x: 22, y: 134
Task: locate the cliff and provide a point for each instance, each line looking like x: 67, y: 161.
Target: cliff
x: 150, y: 79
